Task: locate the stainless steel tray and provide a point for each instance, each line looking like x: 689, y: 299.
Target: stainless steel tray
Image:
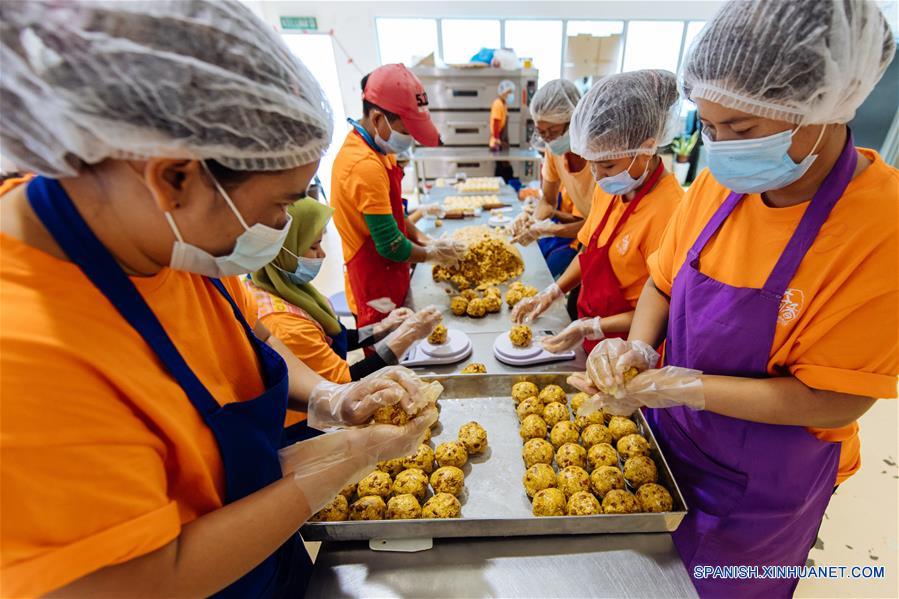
x: 494, y: 503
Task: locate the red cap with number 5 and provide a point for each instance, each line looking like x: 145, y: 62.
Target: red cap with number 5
x: 396, y: 89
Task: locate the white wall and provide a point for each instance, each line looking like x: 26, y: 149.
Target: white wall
x: 353, y: 22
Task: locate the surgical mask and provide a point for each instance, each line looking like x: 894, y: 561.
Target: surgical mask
x: 623, y: 183
x: 757, y: 165
x: 397, y: 143
x: 306, y: 270
x: 560, y: 145
x: 255, y: 247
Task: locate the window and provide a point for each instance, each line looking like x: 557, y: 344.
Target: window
x: 462, y: 38
x: 539, y: 40
x: 581, y: 53
x: 693, y: 29
x: 653, y: 45
x: 406, y: 40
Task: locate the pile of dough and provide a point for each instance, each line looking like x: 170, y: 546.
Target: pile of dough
x: 403, y: 507
x: 412, y: 481
x: 476, y: 308
x: 370, y: 507
x: 620, y: 426
x: 538, y: 477
x: 521, y: 336
x: 537, y: 451
x: 572, y: 479
x: 562, y: 433
x: 602, y: 454
x: 474, y: 368
x: 605, y: 479
x: 533, y: 427
x: 448, y: 479
x: 460, y: 281
x: 654, y: 498
x: 377, y: 483
x: 423, y: 459
x: 640, y: 470
x: 551, y: 393
x: 336, y: 511
x: 459, y: 305
x: 473, y: 436
x: 392, y: 414
x: 595, y: 434
x: 571, y: 454
x: 554, y: 412
x: 523, y: 390
x: 531, y: 405
x: 549, y: 502
x: 451, y: 453
x: 618, y: 501
x: 442, y: 505
x: 583, y: 503
x: 391, y: 467
x: 633, y: 445
x: 438, y: 335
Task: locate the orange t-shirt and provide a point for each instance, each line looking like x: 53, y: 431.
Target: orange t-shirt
x: 579, y: 185
x: 104, y: 457
x: 640, y: 235
x: 498, y: 112
x: 359, y: 185
x: 838, y: 327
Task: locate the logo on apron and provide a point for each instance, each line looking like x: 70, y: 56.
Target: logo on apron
x: 790, y: 306
x: 623, y: 244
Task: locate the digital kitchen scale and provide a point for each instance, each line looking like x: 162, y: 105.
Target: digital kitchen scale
x: 510, y: 354
x: 425, y: 353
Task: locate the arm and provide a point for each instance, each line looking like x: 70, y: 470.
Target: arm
x: 569, y: 229
x: 650, y: 320
x: 415, y: 234
x: 368, y: 365
x: 546, y: 205
x: 416, y: 216
x: 390, y: 242
x: 566, y: 217
x: 571, y: 278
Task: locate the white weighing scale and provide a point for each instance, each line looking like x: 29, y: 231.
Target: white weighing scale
x: 425, y: 353
x: 508, y: 353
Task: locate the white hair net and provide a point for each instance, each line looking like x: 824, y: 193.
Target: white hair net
x: 504, y: 86
x: 89, y: 80
x: 801, y: 61
x: 622, y: 112
x: 555, y: 101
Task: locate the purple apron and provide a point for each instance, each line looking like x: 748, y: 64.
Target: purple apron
x: 756, y: 492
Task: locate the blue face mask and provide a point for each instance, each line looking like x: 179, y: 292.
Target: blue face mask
x: 560, y: 145
x: 622, y: 183
x: 757, y: 165
x: 306, y: 270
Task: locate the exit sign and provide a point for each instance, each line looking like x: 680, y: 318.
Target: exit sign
x: 301, y: 23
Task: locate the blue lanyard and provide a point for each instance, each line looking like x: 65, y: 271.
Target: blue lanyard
x: 366, y: 136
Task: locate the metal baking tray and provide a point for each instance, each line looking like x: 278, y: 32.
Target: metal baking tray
x: 494, y: 503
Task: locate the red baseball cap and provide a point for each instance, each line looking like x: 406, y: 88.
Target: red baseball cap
x: 396, y: 89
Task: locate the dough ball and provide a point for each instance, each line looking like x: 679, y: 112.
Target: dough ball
x: 620, y: 426
x: 438, y: 223
x: 442, y: 505
x: 391, y: 467
x: 460, y: 282
x: 440, y: 273
x: 533, y: 427
x: 538, y: 477
x: 458, y: 305
x: 562, y: 433
x: 337, y: 510
x: 412, y: 481
x: 529, y: 291
x: 654, y: 498
x: 393, y: 414
x: 513, y: 296
x: 492, y: 303
x: 583, y: 503
x: 492, y: 290
x: 537, y: 451
x: 551, y: 393
x: 633, y: 445
x: 473, y: 436
x: 602, y: 454
x: 529, y: 406
x: 522, y: 390
x: 571, y: 454
x: 554, y: 413
x: 521, y: 336
x: 451, y: 453
x: 577, y: 400
x: 596, y: 434
x: 370, y: 507
x: 423, y: 459
x: 582, y: 422
x: 438, y: 335
x: 618, y: 501
x: 516, y: 285
x: 377, y: 483
x: 403, y: 507
x: 572, y: 479
x: 640, y: 470
x: 549, y: 502
x: 474, y: 368
x: 470, y: 294
x: 349, y: 491
x: 448, y: 479
x: 476, y: 308
x: 605, y: 479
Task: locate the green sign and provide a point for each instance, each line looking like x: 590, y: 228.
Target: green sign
x: 301, y: 23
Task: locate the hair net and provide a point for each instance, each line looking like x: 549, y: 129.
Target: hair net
x: 801, y: 61
x: 555, y: 101
x: 84, y: 81
x: 506, y: 85
x: 621, y: 112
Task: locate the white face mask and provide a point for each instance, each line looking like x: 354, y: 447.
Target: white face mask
x: 397, y: 143
x: 255, y: 247
x: 622, y: 183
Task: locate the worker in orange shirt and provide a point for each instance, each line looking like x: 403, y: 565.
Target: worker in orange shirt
x: 774, y: 287
x: 379, y: 243
x: 499, y: 126
x: 143, y: 402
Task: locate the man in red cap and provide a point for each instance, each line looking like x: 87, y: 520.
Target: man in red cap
x: 378, y: 241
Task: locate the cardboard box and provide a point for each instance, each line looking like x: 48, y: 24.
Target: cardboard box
x: 588, y: 55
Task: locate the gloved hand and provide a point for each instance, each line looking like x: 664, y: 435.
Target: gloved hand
x: 431, y: 210
x: 615, y: 361
x: 528, y: 309
x: 537, y: 230
x: 321, y: 466
x: 519, y: 223
x: 658, y: 388
x: 445, y: 251
x: 337, y: 405
x: 418, y: 326
x: 393, y: 320
x: 574, y: 334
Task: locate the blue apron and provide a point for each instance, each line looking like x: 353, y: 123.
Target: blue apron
x: 248, y: 433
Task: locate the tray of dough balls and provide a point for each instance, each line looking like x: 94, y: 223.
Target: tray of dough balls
x: 509, y: 457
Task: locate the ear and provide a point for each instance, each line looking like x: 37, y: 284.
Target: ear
x: 649, y: 143
x: 170, y: 180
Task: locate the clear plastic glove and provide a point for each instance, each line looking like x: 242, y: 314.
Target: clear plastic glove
x: 615, y: 361
x: 431, y: 210
x: 658, y: 388
x: 519, y: 223
x: 393, y: 320
x: 573, y: 335
x: 445, y: 251
x: 351, y: 404
x: 528, y: 309
x: 418, y: 326
x: 323, y: 465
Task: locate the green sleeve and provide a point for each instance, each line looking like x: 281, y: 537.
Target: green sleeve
x: 389, y: 240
